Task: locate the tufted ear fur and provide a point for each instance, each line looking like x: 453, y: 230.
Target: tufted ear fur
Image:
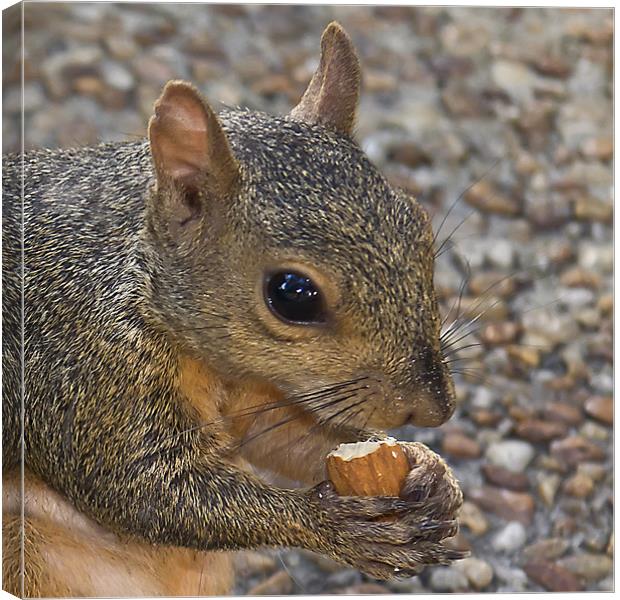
x: 190, y: 151
x: 332, y: 95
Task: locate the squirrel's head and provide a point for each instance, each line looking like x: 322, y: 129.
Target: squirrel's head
x: 286, y: 256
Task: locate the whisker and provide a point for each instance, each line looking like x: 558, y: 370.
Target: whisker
x: 311, y: 410
x: 460, y: 197
x: 262, y: 408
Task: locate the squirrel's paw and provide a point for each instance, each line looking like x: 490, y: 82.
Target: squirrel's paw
x: 431, y: 482
x: 384, y: 537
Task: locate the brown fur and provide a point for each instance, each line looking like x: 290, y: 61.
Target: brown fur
x: 157, y: 378
x: 68, y: 554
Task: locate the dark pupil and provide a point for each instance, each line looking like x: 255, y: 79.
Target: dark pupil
x: 294, y: 298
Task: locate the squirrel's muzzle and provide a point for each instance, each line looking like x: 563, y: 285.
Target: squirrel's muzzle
x: 434, y: 396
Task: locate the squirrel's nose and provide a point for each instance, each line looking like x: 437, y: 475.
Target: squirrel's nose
x: 434, y: 399
x: 431, y: 412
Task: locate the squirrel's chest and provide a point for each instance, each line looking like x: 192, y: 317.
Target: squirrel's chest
x: 66, y: 553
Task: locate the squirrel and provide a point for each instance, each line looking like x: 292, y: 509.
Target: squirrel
x: 238, y: 292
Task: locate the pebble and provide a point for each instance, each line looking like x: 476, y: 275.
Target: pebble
x: 591, y: 209
x: 546, y: 549
x: 594, y: 431
x: 487, y: 198
x: 515, y: 579
x: 485, y: 418
x: 448, y: 579
x: 505, y: 478
x: 552, y: 577
x: 363, y: 589
x: 502, y: 254
x: 527, y: 356
x: 564, y: 413
x: 496, y: 334
x: 515, y: 78
x: 576, y: 449
x: 255, y: 563
x: 471, y: 516
x: 485, y: 281
x: 538, y: 430
x: 595, y: 257
x: 601, y: 148
x: 278, y: 584
x: 601, y: 408
x: 548, y: 485
x: 590, y: 567
x: 479, y: 573
x: 514, y: 455
x: 460, y: 446
x: 510, y: 538
x: 509, y: 505
x: 580, y: 277
x: 579, y: 486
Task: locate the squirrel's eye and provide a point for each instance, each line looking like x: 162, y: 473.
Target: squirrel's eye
x: 294, y: 298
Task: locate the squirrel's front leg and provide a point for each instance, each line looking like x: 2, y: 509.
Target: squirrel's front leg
x: 198, y: 501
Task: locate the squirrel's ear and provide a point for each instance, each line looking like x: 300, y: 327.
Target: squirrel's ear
x: 332, y: 95
x: 188, y: 144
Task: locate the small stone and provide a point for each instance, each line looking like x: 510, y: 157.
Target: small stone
x: 379, y: 81
x: 610, y: 545
x: 343, y: 577
x: 515, y: 79
x: 580, y: 277
x: 576, y: 449
x: 408, y: 153
x: 279, y: 584
x: 510, y: 538
x: 460, y: 446
x: 255, y: 563
x: 496, y: 334
x: 594, y: 431
x: 590, y: 567
x: 595, y: 256
x: 514, y: 580
x: 565, y: 413
x: 88, y: 85
x: 457, y: 542
x: 591, y: 209
x: 471, y: 516
x: 502, y: 254
x: 552, y: 577
x: 483, y: 282
x: 525, y: 355
x: 275, y: 83
x: 600, y: 148
x: 605, y: 304
x: 448, y: 579
x: 120, y: 46
x: 117, y: 76
x: 579, y: 486
x: 504, y: 478
x: 594, y: 471
x: 513, y: 455
x: 548, y: 549
x: 601, y: 408
x: 512, y: 506
x: 479, y: 573
x: 553, y: 66
x: 488, y: 199
x: 548, y: 485
x: 362, y: 589
x: 485, y: 418
x: 538, y: 430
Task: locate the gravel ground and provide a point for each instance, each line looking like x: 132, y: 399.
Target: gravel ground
x: 507, y: 110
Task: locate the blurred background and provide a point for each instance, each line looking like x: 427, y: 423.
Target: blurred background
x: 503, y: 114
